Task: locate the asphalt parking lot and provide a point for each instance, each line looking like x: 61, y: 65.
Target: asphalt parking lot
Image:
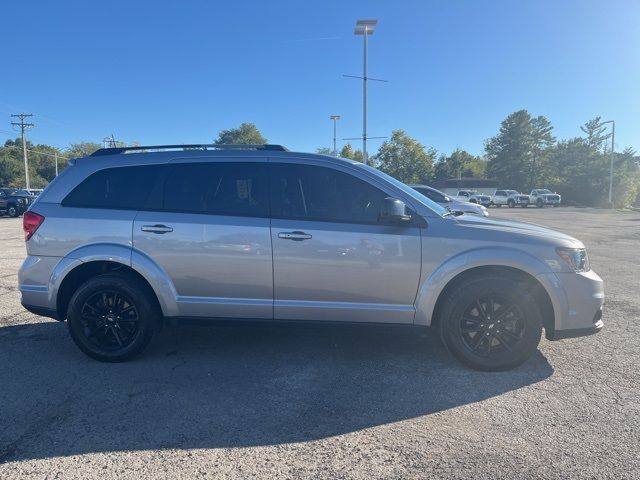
x: 327, y: 402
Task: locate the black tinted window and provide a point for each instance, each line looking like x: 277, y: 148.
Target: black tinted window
x: 435, y: 196
x: 118, y: 188
x: 218, y: 188
x: 309, y: 192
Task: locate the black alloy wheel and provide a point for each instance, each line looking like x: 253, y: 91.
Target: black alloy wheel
x: 110, y: 320
x: 113, y: 316
x: 490, y: 323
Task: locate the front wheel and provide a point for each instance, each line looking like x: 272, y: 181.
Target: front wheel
x: 12, y: 211
x: 111, y: 317
x: 539, y: 203
x: 490, y: 323
x: 511, y: 204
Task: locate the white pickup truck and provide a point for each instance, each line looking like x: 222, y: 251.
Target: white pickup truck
x: 542, y: 197
x: 473, y: 196
x: 510, y: 198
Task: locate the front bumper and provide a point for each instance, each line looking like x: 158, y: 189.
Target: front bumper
x: 577, y: 300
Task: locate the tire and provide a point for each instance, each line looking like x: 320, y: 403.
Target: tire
x: 473, y: 201
x: 466, y: 332
x: 12, y: 211
x: 556, y: 205
x: 511, y: 203
x: 539, y: 203
x: 498, y: 205
x: 131, y: 317
x: 524, y: 205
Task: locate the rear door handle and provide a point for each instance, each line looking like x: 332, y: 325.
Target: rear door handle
x: 297, y: 236
x: 156, y: 228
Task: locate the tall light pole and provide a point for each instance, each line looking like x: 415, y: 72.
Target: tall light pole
x: 335, y: 119
x: 365, y: 28
x: 613, y: 141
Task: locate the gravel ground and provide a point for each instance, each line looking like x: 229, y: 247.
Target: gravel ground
x: 327, y: 402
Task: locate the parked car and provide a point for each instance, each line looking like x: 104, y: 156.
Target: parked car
x: 35, y: 191
x: 14, y: 202
x: 449, y: 203
x: 542, y: 197
x: 120, y: 242
x: 510, y: 198
x: 472, y: 196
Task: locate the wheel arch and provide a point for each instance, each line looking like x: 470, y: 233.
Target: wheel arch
x: 80, y: 265
x: 484, y: 262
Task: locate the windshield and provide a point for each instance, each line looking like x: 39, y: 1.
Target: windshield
x: 544, y: 190
x: 438, y: 209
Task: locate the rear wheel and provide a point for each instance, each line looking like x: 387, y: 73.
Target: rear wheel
x: 111, y: 317
x: 490, y: 323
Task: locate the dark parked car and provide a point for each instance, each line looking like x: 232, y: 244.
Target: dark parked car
x: 14, y: 202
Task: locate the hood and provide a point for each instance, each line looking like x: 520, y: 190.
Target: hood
x: 494, y: 228
x: 464, y: 206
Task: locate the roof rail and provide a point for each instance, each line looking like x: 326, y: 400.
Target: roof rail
x: 193, y: 146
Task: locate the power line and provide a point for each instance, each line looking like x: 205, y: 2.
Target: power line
x: 39, y: 152
x: 24, y: 126
x: 55, y: 155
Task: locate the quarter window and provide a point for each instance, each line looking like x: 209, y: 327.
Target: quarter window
x: 309, y: 192
x: 120, y: 188
x: 218, y: 188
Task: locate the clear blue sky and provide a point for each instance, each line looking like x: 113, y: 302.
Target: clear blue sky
x: 175, y: 72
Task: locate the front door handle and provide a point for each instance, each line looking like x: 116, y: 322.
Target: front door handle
x: 297, y: 236
x: 156, y: 228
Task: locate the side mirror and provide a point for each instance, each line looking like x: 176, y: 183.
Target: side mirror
x: 393, y: 211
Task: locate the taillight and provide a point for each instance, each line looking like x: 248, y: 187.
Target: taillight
x: 30, y: 223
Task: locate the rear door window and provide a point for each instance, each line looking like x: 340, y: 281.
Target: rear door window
x: 218, y: 188
x: 120, y: 188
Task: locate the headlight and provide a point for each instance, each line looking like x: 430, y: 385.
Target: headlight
x: 21, y: 200
x: 575, y: 258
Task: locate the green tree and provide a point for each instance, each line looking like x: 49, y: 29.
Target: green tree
x: 82, y: 149
x: 541, y: 145
x: 405, y: 158
x: 348, y: 152
x: 459, y: 164
x: 246, y: 133
x: 324, y: 151
x: 594, y: 130
x: 510, y: 153
x: 11, y: 164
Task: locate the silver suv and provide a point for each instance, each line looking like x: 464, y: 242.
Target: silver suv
x: 129, y: 237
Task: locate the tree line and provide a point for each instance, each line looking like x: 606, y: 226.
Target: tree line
x: 523, y: 155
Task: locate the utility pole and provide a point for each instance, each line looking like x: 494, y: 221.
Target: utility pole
x: 23, y: 126
x: 55, y: 156
x: 335, y: 119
